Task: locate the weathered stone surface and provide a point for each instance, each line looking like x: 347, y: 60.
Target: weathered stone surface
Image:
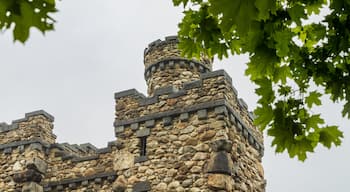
x: 32, y: 187
x: 220, y: 182
x: 142, y: 186
x: 120, y: 184
x: 221, y: 145
x: 220, y: 162
x: 123, y: 160
x: 37, y: 164
x: 143, y: 132
x: 207, y: 135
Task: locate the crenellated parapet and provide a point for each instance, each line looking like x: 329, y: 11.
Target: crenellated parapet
x: 165, y: 66
x: 168, y: 48
x: 213, y: 91
x: 35, y: 125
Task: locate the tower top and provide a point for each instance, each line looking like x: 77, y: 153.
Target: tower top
x: 165, y: 66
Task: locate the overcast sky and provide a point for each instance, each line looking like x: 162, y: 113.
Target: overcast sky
x: 97, y: 49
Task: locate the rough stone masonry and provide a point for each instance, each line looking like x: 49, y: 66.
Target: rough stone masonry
x: 191, y: 134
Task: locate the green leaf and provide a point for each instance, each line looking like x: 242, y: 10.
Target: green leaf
x: 264, y: 115
x: 282, y: 39
x: 237, y: 14
x: 281, y: 74
x: 314, y: 121
x: 297, y: 12
x: 346, y: 110
x: 313, y: 99
x: 265, y: 7
x: 330, y: 135
x: 24, y: 15
x: 262, y: 64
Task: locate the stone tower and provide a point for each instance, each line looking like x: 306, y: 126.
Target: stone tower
x: 191, y: 134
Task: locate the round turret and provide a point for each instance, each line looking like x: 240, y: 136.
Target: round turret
x: 164, y: 65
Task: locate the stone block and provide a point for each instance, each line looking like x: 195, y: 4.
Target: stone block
x: 59, y: 187
x: 171, y: 64
x: 32, y: 187
x: 219, y: 182
x: 134, y: 126
x: 150, y: 123
x: 171, y: 38
x: 192, y: 65
x: 20, y: 148
x: 251, y: 139
x: 119, y: 129
x: 167, y: 121
x: 98, y: 181
x: 220, y: 110
x: 37, y: 164
x: 232, y: 119
x: 40, y: 112
x: 7, y: 151
x: 36, y: 146
x: 222, y: 145
x: 142, y: 186
x: 239, y: 127
x: 184, y: 117
x: 192, y: 84
x: 202, y: 114
x: 143, y: 132
x: 242, y: 103
x: 245, y: 133
x: 164, y: 90
x: 161, y: 66
x: 72, y: 185
x: 220, y: 163
x: 85, y: 183
x: 140, y: 159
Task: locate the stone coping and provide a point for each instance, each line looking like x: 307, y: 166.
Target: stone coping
x: 4, y: 127
x: 96, y: 152
x: 221, y: 107
x: 73, y: 182
x: 171, y: 62
x: 172, y: 91
x: 65, y: 149
x: 158, y: 43
x: 168, y: 40
x: 23, y: 143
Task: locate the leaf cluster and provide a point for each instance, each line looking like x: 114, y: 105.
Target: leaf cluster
x: 24, y: 14
x: 288, y: 53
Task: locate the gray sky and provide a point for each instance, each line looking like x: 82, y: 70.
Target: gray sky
x: 97, y: 49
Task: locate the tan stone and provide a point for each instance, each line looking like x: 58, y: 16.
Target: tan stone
x: 207, y: 135
x: 123, y: 160
x: 220, y: 182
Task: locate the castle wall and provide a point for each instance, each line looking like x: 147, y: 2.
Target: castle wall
x: 191, y: 134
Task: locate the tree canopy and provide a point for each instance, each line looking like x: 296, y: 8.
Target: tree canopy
x: 293, y: 60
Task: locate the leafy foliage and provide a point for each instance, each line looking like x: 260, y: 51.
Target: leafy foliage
x: 288, y: 53
x: 24, y: 14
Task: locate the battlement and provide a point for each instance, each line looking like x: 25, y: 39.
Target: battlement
x: 213, y: 91
x: 4, y: 127
x: 164, y: 49
x: 165, y: 65
x: 35, y: 125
